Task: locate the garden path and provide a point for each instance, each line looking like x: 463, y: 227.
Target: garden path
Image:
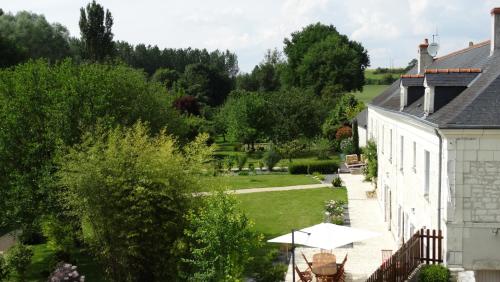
x: 363, y: 257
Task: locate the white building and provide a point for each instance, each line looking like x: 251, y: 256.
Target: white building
x: 437, y: 131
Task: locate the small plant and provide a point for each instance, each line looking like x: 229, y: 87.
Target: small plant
x: 335, y: 211
x: 271, y: 158
x: 434, y: 273
x: 318, y: 175
x: 18, y: 259
x: 370, y: 152
x: 229, y: 161
x: 251, y: 167
x: 261, y: 165
x: 66, y: 272
x: 337, y: 181
x: 242, y: 160
x: 243, y: 173
x: 347, y: 146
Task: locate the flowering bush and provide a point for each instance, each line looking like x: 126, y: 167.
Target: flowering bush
x: 347, y: 146
x: 343, y: 132
x: 335, y: 208
x: 66, y: 272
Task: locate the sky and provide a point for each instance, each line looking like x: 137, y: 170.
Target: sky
x: 389, y: 29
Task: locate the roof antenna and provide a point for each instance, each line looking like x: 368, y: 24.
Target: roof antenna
x: 434, y: 46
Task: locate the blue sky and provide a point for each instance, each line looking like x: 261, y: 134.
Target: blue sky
x: 389, y: 29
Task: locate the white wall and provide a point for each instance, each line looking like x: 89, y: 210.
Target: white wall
x: 362, y: 136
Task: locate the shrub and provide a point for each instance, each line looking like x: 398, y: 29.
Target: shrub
x: 243, y: 173
x: 355, y: 137
x: 343, y: 132
x: 261, y: 165
x: 66, y: 272
x: 229, y: 161
x: 242, y: 160
x: 370, y: 152
x: 322, y: 147
x: 19, y: 258
x: 337, y: 181
x: 59, y: 234
x: 4, y: 271
x: 434, y: 273
x: 251, y: 167
x: 271, y: 158
x: 335, y: 208
x: 307, y: 167
x: 347, y: 146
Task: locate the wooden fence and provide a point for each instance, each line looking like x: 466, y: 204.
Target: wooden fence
x: 423, y: 247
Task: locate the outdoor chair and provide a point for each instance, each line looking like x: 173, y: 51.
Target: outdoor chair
x: 304, y: 276
x: 340, y: 275
x: 309, y: 264
x: 352, y: 162
x: 343, y: 262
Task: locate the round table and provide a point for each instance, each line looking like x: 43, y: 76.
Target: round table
x: 324, y: 264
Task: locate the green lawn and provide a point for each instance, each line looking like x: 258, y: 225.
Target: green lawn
x: 370, y: 74
x: 369, y: 92
x: 270, y: 180
x: 276, y: 213
x: 43, y: 257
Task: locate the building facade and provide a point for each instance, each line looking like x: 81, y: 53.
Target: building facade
x: 437, y: 131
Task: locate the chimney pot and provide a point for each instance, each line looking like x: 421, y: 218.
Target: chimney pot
x: 495, y: 30
x: 471, y: 43
x: 424, y: 59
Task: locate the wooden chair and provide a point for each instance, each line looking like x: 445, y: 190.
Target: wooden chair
x: 304, y: 276
x: 309, y: 264
x: 340, y: 275
x: 343, y: 262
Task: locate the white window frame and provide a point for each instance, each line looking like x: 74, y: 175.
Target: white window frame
x: 427, y: 173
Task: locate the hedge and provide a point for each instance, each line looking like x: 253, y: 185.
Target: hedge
x: 308, y: 167
x: 434, y: 273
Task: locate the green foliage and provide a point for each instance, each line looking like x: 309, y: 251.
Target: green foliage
x: 28, y: 35
x: 229, y: 162
x: 322, y: 147
x: 347, y: 146
x: 246, y: 116
x: 132, y: 191
x: 66, y: 272
x: 265, y: 76
x: 4, y: 270
x: 45, y: 107
x: 336, y: 210
x: 290, y: 149
x: 60, y: 236
x: 220, y: 241
x: 345, y: 110
x: 166, y: 77
x: 307, y: 167
x: 337, y: 181
x: 370, y: 152
x: 271, y: 158
x: 242, y: 160
x: 322, y: 58
x: 434, y: 273
x: 319, y: 176
x: 355, y: 137
x: 95, y: 28
x: 265, y: 268
x: 18, y: 259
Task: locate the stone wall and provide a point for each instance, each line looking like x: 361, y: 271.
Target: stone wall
x: 483, y: 180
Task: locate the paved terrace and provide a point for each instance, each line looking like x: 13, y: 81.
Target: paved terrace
x: 363, y: 257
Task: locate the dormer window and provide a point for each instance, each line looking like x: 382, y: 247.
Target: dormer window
x: 411, y: 89
x: 443, y: 85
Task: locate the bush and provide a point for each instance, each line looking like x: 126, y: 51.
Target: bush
x: 347, y: 146
x: 243, y: 173
x: 66, y: 272
x: 242, y: 160
x: 343, y: 132
x: 337, y: 181
x: 434, y: 273
x: 271, y: 158
x: 229, y: 161
x: 307, y: 167
x: 4, y: 271
x: 251, y: 167
x: 370, y: 152
x: 59, y: 234
x: 19, y: 258
x: 322, y: 147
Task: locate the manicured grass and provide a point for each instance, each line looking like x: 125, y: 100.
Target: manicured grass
x: 276, y: 213
x: 43, y: 257
x: 270, y: 180
x: 369, y: 92
x: 370, y: 74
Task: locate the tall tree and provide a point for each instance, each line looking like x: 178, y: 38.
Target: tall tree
x: 325, y: 60
x: 95, y: 29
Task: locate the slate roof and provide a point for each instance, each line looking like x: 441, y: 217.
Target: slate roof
x: 478, y: 106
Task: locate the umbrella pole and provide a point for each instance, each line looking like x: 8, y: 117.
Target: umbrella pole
x: 293, y: 255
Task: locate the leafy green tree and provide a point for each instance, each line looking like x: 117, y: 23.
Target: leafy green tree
x: 28, y: 35
x: 45, y: 107
x: 247, y: 117
x: 271, y: 158
x: 355, y: 137
x: 95, y: 29
x: 166, y: 77
x: 132, y: 192
x: 346, y: 108
x: 4, y: 270
x: 290, y: 149
x: 322, y: 58
x: 221, y: 240
x: 266, y: 76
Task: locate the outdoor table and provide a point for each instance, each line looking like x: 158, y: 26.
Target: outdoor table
x: 324, y: 266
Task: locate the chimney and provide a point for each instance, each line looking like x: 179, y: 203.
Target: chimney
x: 424, y: 59
x: 495, y: 30
x: 471, y: 43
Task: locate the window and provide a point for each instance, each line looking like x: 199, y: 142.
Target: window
x: 401, y: 152
x: 427, y: 163
x: 390, y: 145
x: 414, y: 161
x: 382, y: 141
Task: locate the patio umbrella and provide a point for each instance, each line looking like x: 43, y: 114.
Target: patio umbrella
x: 325, y: 236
